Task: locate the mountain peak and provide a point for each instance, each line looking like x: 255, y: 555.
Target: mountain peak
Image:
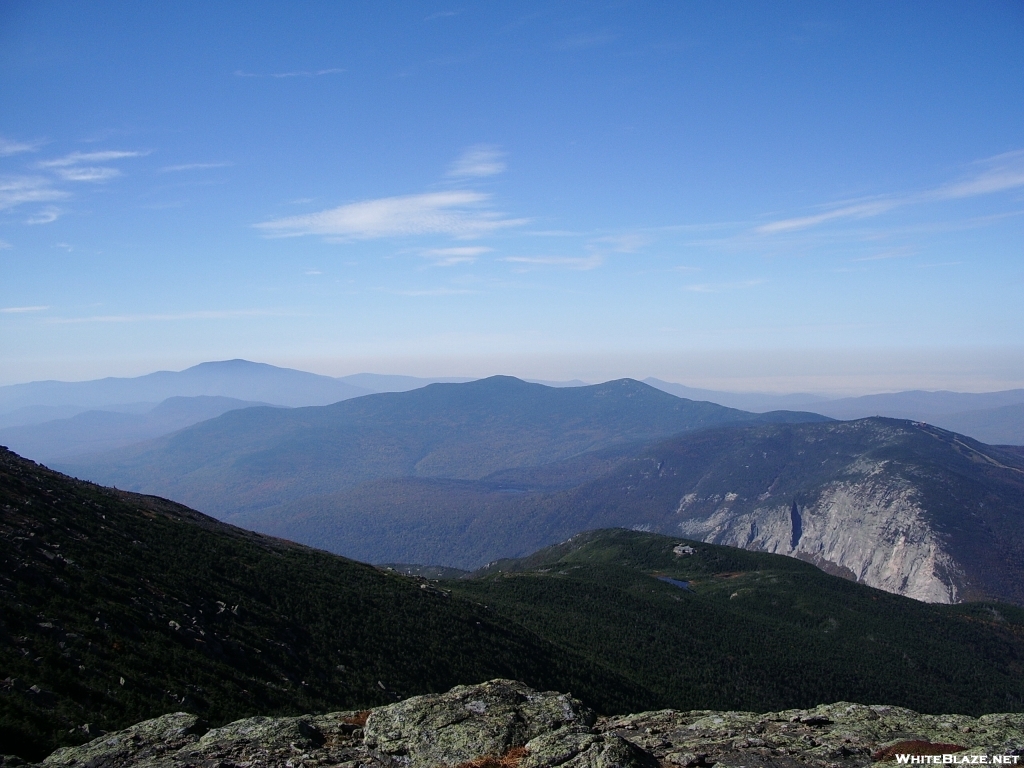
x: 237, y: 363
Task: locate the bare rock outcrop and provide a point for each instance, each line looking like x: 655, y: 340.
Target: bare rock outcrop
x: 505, y: 724
x: 870, y: 527
x: 828, y: 736
x: 469, y: 721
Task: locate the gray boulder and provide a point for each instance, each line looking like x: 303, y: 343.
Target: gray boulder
x: 150, y: 739
x: 469, y: 722
x: 574, y: 749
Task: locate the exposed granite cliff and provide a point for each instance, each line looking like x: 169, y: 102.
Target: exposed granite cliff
x: 898, y: 505
x: 505, y: 724
x: 871, y: 526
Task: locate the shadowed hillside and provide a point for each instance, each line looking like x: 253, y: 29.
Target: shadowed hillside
x: 902, y: 506
x: 118, y: 607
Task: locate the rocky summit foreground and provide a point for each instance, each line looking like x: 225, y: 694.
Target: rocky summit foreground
x: 505, y: 724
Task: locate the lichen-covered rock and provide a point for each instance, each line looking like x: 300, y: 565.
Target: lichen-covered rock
x: 830, y: 735
x: 146, y: 740
x: 469, y: 721
x: 574, y: 749
x: 263, y: 732
x: 505, y: 724
x: 179, y: 741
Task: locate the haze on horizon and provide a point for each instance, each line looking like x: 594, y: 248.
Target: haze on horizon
x: 757, y: 197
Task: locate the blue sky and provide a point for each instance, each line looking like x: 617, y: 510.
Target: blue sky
x: 773, y: 196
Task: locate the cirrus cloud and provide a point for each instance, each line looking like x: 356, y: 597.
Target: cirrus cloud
x: 582, y: 263
x: 996, y: 174
x: 191, y: 167
x: 88, y: 173
x: 481, y: 160
x: 47, y: 215
x: 457, y: 213
x: 8, y: 147
x: 450, y: 257
x: 16, y: 190
x: 77, y: 158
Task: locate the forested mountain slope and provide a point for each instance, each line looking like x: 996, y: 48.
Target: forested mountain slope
x: 261, y: 457
x: 117, y: 607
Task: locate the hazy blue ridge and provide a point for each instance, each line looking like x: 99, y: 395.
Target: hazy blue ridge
x: 259, y: 458
x: 239, y: 379
x: 98, y: 430
x: 972, y: 496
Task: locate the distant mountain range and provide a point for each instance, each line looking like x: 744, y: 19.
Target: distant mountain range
x: 53, y: 421
x: 116, y: 607
x: 237, y: 379
x: 99, y: 430
x: 996, y: 418
x: 261, y: 457
x: 458, y: 475
x: 39, y: 401
x: 746, y: 401
x: 901, y: 506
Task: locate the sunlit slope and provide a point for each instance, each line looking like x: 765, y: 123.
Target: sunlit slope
x: 755, y: 631
x: 262, y: 457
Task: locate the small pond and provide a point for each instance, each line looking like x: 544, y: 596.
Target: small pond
x: 676, y: 583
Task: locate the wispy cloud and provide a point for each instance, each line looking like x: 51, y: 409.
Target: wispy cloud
x: 570, y: 262
x: 88, y: 173
x: 997, y: 174
x: 8, y: 147
x: 855, y: 211
x: 450, y: 257
x: 20, y: 310
x: 435, y: 292
x: 77, y: 166
x: 45, y: 216
x: 202, y: 315
x: 17, y: 190
x: 293, y: 73
x: 720, y: 287
x: 192, y: 167
x: 78, y: 158
x: 456, y: 213
x: 481, y: 160
x: 4, y: 245
x: 630, y: 242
